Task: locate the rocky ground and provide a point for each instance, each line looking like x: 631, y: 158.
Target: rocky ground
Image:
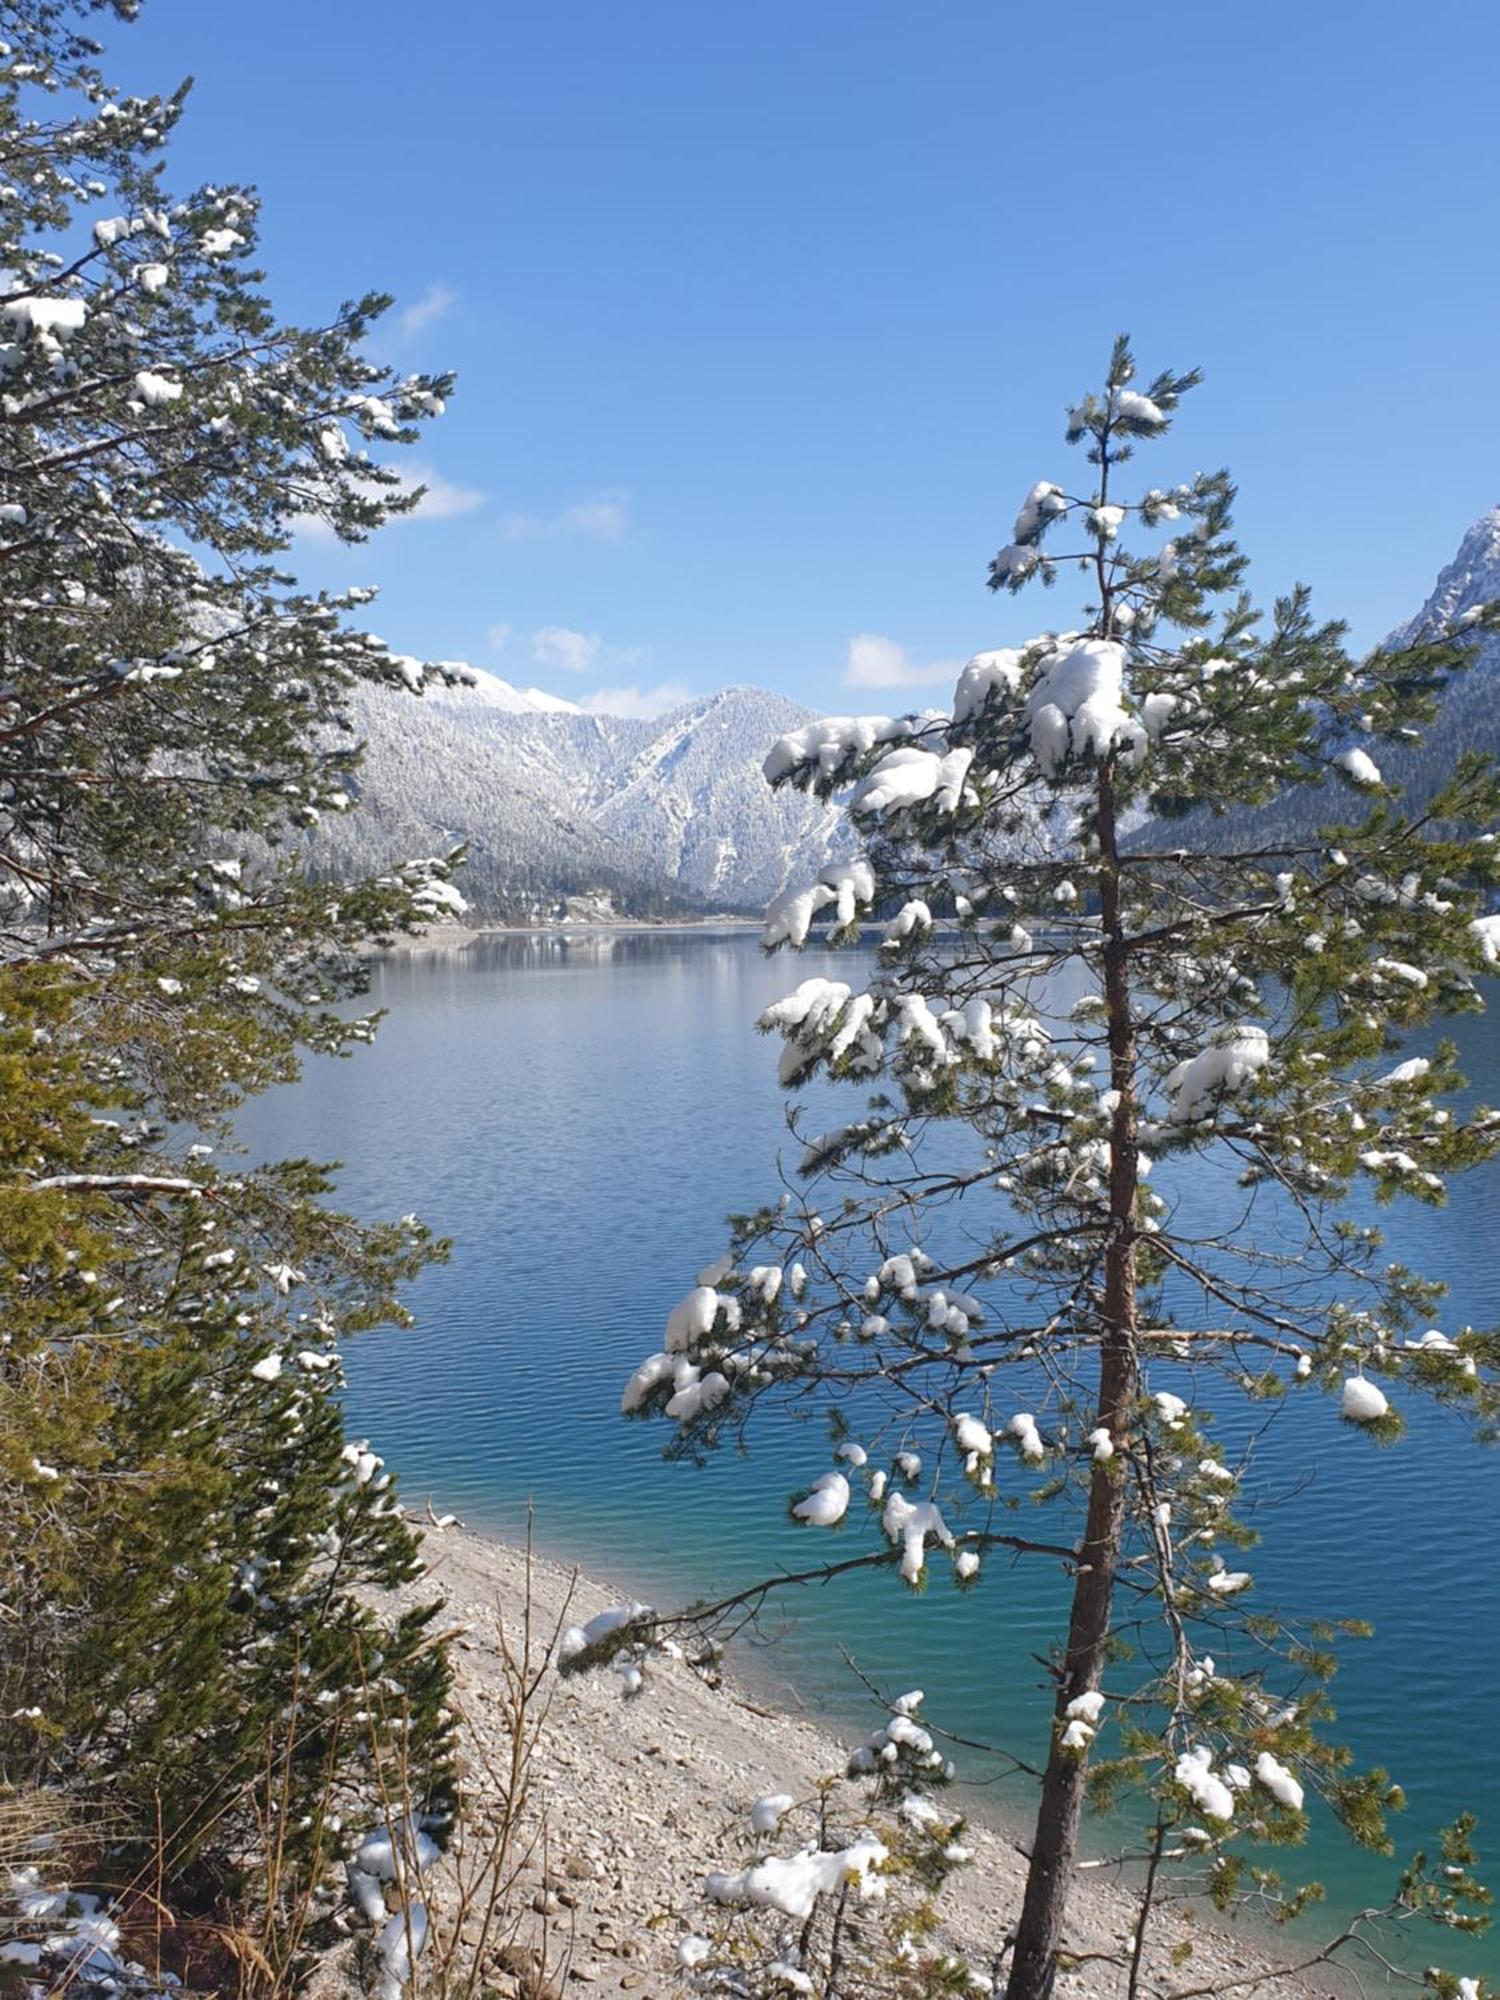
x: 631, y: 1800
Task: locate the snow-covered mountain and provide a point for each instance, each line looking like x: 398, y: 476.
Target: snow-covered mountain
x: 673, y: 815
x: 1468, y: 717
x: 1471, y: 580
x: 666, y: 815
x: 489, y: 691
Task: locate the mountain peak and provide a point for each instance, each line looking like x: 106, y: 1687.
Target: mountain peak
x: 1471, y: 579
x: 663, y: 812
x: 486, y: 690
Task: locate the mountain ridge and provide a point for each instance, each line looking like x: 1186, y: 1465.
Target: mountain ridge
x: 662, y: 816
x: 1469, y: 581
x: 491, y: 691
x: 1468, y: 716
x: 671, y: 815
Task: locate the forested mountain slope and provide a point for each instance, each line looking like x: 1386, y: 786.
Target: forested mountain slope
x: 670, y: 815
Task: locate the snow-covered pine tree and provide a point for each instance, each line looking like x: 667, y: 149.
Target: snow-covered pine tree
x: 981, y: 1286
x: 187, y: 1534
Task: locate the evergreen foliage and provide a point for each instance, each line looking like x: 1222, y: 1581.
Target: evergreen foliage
x: 187, y: 1539
x: 981, y: 1285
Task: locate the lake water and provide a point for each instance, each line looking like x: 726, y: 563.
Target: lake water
x: 579, y: 1115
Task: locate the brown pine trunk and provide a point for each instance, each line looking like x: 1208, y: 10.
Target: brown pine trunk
x: 1055, y: 1845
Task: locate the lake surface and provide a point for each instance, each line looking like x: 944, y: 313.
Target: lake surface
x: 580, y: 1115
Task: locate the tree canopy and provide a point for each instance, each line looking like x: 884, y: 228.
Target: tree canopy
x: 997, y: 1280
x: 189, y: 1537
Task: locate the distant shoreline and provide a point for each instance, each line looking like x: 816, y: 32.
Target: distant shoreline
x: 459, y: 937
x: 446, y: 937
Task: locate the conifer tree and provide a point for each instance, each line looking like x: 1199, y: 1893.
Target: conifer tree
x: 188, y: 1537
x: 990, y: 1283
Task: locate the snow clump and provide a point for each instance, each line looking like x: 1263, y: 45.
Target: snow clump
x: 1075, y: 708
x: 1208, y: 1791
x: 1198, y: 1085
x: 1363, y: 1402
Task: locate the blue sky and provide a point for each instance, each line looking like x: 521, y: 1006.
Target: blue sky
x: 766, y: 316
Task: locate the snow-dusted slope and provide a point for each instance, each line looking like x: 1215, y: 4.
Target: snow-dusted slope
x: 1470, y: 580
x: 489, y: 691
x: 695, y: 797
x: 1468, y: 717
x: 672, y: 813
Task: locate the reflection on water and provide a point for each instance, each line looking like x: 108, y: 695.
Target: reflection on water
x: 579, y: 1113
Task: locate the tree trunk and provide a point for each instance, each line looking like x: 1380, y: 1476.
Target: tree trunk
x: 1055, y: 1845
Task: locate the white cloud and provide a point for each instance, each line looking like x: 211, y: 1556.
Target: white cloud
x: 556, y: 646
x: 601, y: 517
x: 577, y: 652
x: 875, y: 661
x: 313, y: 528
x: 435, y: 303
x: 444, y: 500
x: 497, y: 636
x: 634, y: 701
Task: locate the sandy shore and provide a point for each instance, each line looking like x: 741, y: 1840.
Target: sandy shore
x: 641, y: 1796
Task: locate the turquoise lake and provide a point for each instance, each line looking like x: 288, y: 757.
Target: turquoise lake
x: 579, y: 1115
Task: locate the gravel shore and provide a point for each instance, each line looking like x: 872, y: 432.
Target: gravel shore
x: 640, y: 1796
